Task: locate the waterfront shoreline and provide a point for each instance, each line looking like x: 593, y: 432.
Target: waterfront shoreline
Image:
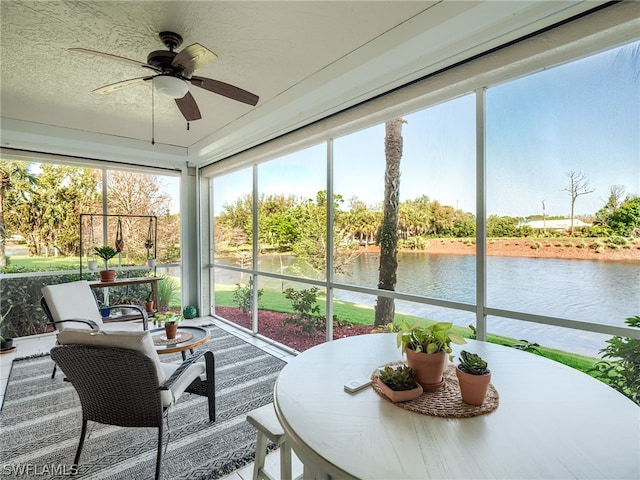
x: 559, y: 248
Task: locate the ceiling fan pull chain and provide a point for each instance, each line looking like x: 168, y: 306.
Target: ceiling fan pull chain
x: 187, y: 126
x: 153, y: 126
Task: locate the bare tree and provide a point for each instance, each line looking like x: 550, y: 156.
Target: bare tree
x: 388, y: 234
x: 615, y: 198
x: 578, y: 185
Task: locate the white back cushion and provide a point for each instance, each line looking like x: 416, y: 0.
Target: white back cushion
x: 72, y: 300
x: 138, y: 341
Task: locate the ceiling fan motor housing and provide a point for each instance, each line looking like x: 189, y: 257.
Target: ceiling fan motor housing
x: 161, y: 59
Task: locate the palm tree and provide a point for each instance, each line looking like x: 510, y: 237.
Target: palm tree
x: 388, y: 233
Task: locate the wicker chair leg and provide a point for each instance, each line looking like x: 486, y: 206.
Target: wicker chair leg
x: 159, y: 459
x: 83, y: 432
x: 211, y: 384
x: 53, y: 374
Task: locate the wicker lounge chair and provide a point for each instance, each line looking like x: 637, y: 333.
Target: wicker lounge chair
x: 121, y: 381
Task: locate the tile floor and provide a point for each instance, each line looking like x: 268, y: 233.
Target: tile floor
x: 40, y: 344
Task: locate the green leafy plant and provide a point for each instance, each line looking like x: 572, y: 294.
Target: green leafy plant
x: 106, y: 253
x: 304, y: 303
x: 622, y: 372
x: 434, y: 338
x: 169, y: 318
x: 474, y: 332
x: 472, y: 363
x: 243, y: 296
x: 390, y: 327
x: 398, y: 378
x: 527, y: 346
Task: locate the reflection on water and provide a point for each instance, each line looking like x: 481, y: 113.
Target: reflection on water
x: 590, y: 291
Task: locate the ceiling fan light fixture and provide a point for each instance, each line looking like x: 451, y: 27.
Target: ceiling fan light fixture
x: 170, y: 86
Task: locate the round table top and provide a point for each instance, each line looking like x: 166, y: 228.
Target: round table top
x: 552, y: 421
x: 197, y: 338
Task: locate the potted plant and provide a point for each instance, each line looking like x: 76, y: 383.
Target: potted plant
x: 148, y: 304
x: 427, y: 349
x: 474, y: 377
x: 171, y: 321
x: 399, y: 383
x: 6, y: 344
x: 106, y: 253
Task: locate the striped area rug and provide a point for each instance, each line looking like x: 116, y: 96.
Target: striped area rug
x: 41, y: 419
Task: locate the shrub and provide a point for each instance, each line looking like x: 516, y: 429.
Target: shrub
x: 168, y: 292
x: 304, y: 303
x: 622, y: 372
x: 536, y: 245
x: 243, y: 296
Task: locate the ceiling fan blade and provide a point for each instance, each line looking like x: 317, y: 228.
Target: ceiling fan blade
x: 113, y: 57
x: 225, y: 89
x: 114, y: 87
x: 188, y: 107
x: 193, y: 57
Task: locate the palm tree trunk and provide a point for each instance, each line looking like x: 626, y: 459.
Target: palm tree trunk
x: 388, y: 234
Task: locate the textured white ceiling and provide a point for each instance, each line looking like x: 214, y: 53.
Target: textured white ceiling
x: 304, y: 59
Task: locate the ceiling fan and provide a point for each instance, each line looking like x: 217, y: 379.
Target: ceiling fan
x: 173, y: 73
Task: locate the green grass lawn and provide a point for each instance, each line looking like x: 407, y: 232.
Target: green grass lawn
x: 275, y: 301
x: 45, y: 263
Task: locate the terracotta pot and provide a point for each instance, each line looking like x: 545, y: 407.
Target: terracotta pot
x: 148, y: 306
x: 171, y: 329
x: 473, y: 387
x: 399, y: 395
x: 429, y: 368
x: 107, y: 275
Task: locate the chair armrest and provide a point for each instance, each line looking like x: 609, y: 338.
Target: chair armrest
x: 86, y: 321
x: 209, y: 363
x: 141, y: 311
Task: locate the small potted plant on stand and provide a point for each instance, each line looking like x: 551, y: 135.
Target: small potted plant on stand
x: 148, y: 304
x: 106, y: 253
x: 427, y: 349
x: 474, y: 378
x: 171, y: 321
x: 399, y: 383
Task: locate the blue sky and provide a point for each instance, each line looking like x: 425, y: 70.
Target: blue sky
x: 583, y: 117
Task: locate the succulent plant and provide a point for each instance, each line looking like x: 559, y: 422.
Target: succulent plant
x: 398, y: 378
x: 472, y: 363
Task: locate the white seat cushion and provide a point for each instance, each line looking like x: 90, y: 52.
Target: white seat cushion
x: 197, y: 369
x: 72, y: 300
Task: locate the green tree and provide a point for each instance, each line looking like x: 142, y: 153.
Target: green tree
x: 388, y: 233
x: 502, y: 226
x: 235, y: 217
x: 47, y: 215
x: 11, y: 174
x: 625, y: 220
x: 312, y: 243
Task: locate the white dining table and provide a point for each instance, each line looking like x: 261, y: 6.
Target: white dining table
x: 552, y: 421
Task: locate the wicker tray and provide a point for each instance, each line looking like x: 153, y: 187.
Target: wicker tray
x: 446, y: 402
x: 181, y: 337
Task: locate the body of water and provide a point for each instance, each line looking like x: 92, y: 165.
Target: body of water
x: 584, y: 290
